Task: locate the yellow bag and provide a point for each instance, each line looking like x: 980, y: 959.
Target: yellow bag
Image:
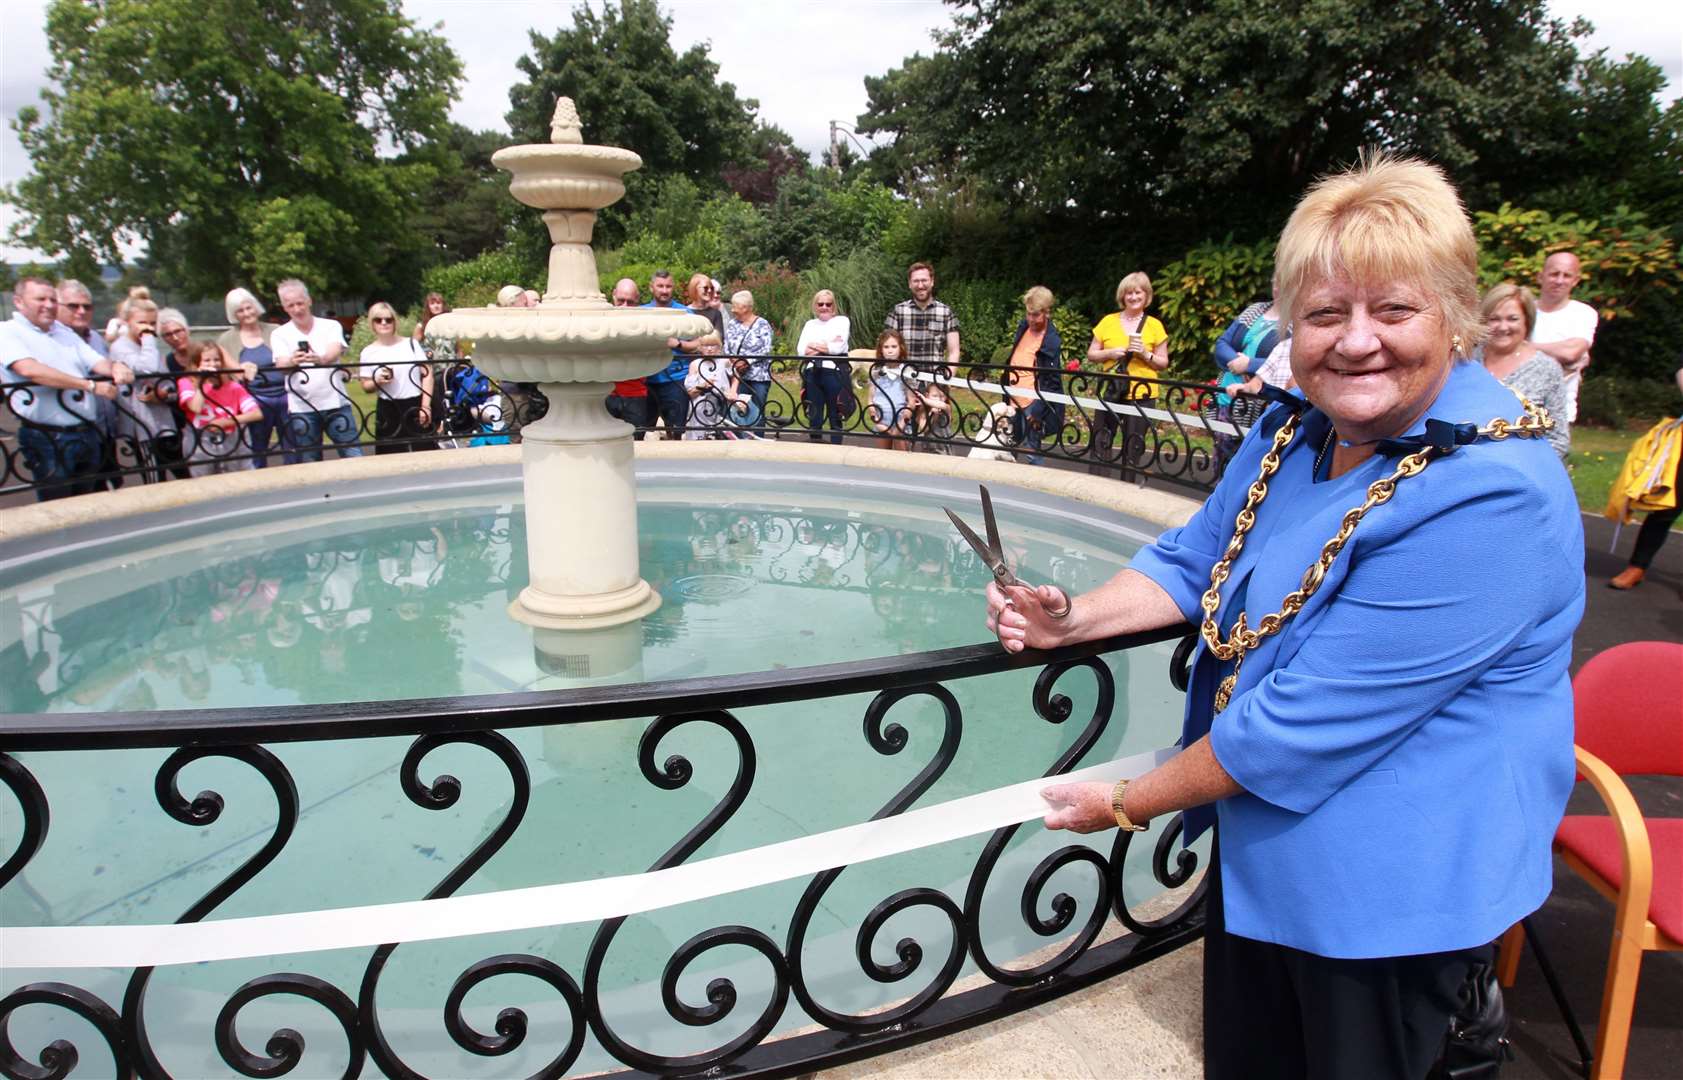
x: 1648, y: 480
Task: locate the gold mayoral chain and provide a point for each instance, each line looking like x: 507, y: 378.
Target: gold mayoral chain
x: 1534, y: 424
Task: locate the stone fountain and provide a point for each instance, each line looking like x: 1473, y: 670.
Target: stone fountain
x: 581, y: 494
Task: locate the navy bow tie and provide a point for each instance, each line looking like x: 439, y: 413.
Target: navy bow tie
x: 1440, y: 435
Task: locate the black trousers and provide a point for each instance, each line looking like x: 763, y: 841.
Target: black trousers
x: 395, y: 420
x: 1274, y: 1011
x: 1655, y: 528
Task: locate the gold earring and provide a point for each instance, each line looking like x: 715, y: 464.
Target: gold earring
x: 1455, y: 345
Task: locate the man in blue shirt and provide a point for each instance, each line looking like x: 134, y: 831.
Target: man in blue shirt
x: 667, y: 385
x: 58, y: 438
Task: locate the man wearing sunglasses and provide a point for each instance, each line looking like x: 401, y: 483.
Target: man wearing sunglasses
x: 75, y: 314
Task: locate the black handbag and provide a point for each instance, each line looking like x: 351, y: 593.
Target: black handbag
x: 1477, y: 1042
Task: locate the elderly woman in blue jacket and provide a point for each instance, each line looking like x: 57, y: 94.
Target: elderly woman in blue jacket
x: 1381, y: 727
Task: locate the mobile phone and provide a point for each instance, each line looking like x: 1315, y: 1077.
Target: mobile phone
x: 304, y: 346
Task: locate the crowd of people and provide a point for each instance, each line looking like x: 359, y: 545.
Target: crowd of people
x: 143, y: 399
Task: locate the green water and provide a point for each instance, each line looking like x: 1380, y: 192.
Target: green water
x: 409, y: 602
x: 414, y: 606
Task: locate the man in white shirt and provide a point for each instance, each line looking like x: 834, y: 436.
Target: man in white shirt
x: 58, y: 437
x: 1565, y: 328
x: 75, y: 313
x: 316, y: 397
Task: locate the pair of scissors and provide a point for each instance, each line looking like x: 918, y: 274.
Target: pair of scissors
x: 992, y: 555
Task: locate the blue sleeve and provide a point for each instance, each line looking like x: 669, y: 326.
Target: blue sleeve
x: 1180, y: 561
x: 1410, y: 628
x: 1227, y: 346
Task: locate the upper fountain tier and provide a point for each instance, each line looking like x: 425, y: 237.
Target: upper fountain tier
x: 574, y: 334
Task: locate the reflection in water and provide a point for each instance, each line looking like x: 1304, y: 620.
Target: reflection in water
x: 405, y: 608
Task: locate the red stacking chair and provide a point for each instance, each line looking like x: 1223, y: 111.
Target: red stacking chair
x: 1628, y: 706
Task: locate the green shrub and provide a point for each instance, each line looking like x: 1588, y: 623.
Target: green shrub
x: 1198, y: 296
x: 474, y: 283
x: 987, y: 311
x: 1631, y: 275
x: 1616, y: 401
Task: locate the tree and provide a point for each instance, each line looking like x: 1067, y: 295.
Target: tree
x: 633, y: 90
x: 1205, y: 116
x: 239, y: 140
x: 466, y: 210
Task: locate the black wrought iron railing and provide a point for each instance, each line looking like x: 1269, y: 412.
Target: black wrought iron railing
x: 769, y: 1013
x: 58, y: 442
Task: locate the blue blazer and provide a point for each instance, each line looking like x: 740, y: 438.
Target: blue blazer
x: 1405, y: 741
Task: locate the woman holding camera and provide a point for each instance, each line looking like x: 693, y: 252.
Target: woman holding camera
x: 1133, y: 347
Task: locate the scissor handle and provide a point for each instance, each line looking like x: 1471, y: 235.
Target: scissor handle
x: 1063, y: 609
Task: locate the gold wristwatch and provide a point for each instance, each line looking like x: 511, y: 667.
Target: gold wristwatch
x: 1122, y: 820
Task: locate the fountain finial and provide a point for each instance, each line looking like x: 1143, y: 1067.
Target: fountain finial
x: 564, y: 125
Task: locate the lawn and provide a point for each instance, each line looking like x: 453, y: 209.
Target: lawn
x: 1596, y: 458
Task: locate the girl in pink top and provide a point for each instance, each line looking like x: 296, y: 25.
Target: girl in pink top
x: 218, y: 404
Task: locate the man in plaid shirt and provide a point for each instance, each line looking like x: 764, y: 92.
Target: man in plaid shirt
x: 929, y: 327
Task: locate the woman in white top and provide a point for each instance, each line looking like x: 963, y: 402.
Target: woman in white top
x: 395, y: 369
x: 826, y: 383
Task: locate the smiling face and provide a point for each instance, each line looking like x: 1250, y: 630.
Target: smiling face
x: 1372, y: 356
x: 1133, y: 301
x: 922, y: 284
x: 247, y: 313
x: 1505, y: 327
x: 38, y: 303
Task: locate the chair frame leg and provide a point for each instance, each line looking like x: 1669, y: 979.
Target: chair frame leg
x: 1586, y: 1058
x: 1618, y: 1001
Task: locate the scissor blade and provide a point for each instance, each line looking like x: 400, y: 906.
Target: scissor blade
x: 970, y: 537
x: 990, y: 525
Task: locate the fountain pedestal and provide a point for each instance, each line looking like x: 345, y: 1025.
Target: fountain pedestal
x: 581, y: 515
x: 581, y: 494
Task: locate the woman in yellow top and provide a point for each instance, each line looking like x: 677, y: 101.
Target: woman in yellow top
x: 1133, y: 343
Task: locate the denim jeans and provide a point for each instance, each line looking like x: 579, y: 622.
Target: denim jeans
x: 828, y: 392
x: 673, y: 401
x: 338, y: 424
x: 1041, y: 421
x: 273, y: 423
x: 61, y: 460
x: 759, y: 391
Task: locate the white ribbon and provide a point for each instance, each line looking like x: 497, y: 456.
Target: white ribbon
x: 542, y: 905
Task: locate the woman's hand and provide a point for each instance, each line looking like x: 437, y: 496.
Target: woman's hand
x: 1238, y: 364
x: 1082, y: 808
x: 1020, y: 616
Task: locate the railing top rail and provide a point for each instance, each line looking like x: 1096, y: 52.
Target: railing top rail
x: 361, y: 720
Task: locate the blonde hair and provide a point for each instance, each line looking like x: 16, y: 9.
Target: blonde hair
x: 1135, y: 280
x: 1038, y: 298
x: 820, y: 295
x: 1504, y: 292
x: 1387, y: 219
x: 139, y: 307
x: 380, y: 307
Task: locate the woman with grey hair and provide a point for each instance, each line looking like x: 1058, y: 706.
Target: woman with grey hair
x: 246, y: 342
x: 748, y: 342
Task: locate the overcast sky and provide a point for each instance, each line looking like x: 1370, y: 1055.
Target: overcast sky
x: 804, y: 60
